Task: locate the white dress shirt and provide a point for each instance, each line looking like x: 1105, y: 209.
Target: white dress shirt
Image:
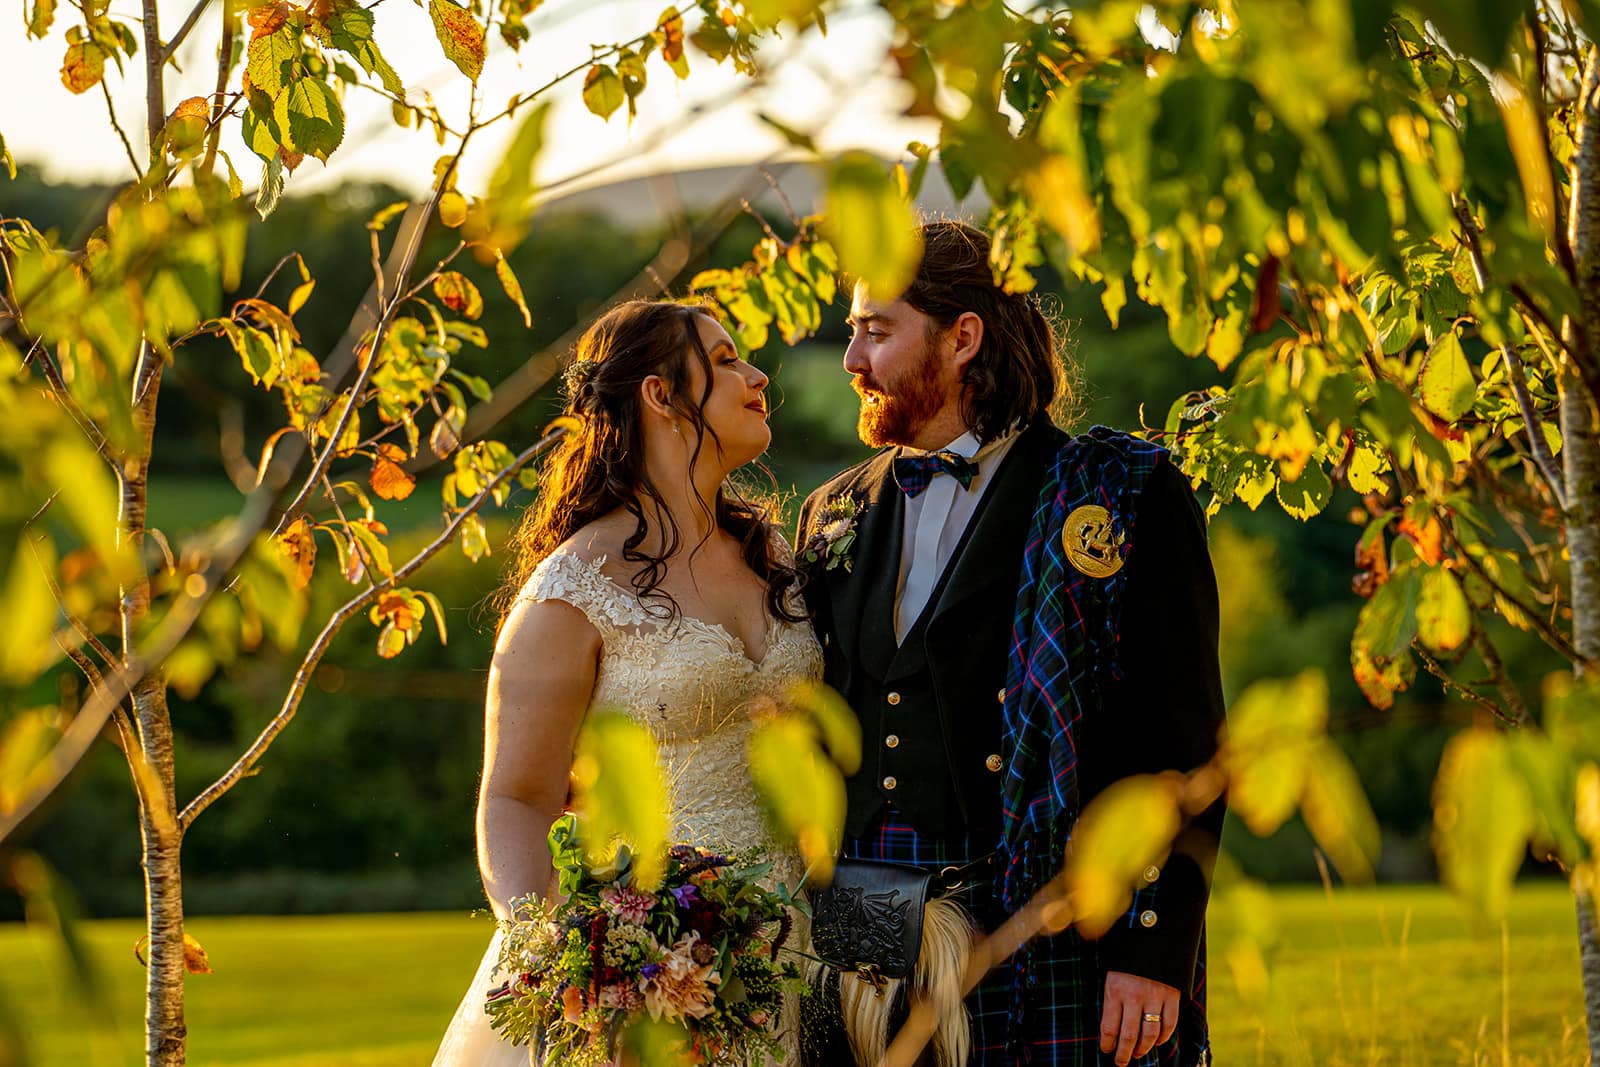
x: 935, y: 519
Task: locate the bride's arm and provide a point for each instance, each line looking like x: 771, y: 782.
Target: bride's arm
x: 540, y: 683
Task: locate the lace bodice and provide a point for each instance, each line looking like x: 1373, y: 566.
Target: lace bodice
x: 693, y: 684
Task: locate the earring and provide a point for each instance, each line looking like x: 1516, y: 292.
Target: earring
x: 677, y: 429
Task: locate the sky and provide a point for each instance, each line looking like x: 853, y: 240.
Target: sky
x: 835, y: 87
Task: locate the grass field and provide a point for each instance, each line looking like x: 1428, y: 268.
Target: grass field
x: 1373, y: 978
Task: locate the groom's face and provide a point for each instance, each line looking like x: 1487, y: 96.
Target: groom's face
x: 896, y: 368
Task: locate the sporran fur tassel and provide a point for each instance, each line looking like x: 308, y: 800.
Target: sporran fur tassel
x: 947, y: 935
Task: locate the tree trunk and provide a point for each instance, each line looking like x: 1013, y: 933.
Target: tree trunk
x: 1580, y: 453
x: 153, y: 766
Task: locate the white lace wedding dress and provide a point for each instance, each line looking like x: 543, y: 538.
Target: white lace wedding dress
x: 693, y: 684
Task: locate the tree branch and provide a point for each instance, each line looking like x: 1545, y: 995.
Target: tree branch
x: 219, y: 96
x: 302, y: 678
x: 1502, y: 681
x: 64, y: 397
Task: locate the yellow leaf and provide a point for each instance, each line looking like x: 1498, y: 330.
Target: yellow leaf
x: 621, y: 794
x: 458, y: 294
x: 83, y: 67
x: 1338, y: 814
x: 1444, y: 618
x: 299, y: 546
x: 452, y: 209
x: 25, y: 746
x: 460, y: 35
x: 871, y: 226
x: 513, y: 288
x: 195, y: 960
x: 1125, y: 829
x: 1274, y: 729
x: 1482, y: 818
x: 801, y: 788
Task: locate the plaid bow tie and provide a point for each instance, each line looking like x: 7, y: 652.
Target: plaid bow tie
x: 913, y: 473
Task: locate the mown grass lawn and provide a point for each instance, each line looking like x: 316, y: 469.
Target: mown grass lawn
x: 1391, y: 976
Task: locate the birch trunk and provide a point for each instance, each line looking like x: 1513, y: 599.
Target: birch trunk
x: 153, y: 758
x: 1580, y: 454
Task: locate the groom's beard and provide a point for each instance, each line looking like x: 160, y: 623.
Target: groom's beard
x: 893, y: 410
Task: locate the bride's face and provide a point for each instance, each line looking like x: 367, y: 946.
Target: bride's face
x: 736, y: 409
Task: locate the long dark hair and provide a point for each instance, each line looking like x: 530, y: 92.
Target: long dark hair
x: 1018, y: 374
x: 599, y: 464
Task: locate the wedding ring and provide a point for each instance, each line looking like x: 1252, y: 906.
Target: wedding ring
x: 1152, y: 1016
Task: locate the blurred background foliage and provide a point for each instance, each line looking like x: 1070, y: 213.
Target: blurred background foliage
x: 367, y: 803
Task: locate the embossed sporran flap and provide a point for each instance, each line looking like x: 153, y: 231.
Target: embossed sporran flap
x: 870, y: 917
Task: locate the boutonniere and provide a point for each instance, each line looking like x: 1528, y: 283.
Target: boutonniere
x: 833, y: 534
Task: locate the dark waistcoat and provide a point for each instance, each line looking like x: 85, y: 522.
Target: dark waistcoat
x: 930, y: 708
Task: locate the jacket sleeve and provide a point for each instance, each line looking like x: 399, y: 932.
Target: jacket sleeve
x: 1165, y: 714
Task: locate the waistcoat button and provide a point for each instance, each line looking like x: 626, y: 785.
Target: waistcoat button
x: 1147, y: 919
x: 993, y: 762
x: 890, y: 783
x: 893, y: 698
x: 892, y: 741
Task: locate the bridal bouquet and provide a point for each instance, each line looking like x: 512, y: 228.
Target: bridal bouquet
x: 699, y: 953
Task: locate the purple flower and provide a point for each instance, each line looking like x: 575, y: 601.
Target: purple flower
x: 650, y: 970
x: 684, y: 895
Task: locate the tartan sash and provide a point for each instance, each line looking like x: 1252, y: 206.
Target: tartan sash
x: 1063, y: 658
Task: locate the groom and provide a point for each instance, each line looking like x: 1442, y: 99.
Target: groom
x: 1019, y: 618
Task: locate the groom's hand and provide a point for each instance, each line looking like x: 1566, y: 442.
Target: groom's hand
x: 1124, y: 1027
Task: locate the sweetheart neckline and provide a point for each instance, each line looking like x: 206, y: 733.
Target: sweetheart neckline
x: 736, y: 643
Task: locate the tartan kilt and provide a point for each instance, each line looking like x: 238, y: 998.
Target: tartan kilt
x: 1066, y: 986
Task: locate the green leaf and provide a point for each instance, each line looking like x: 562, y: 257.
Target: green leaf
x: 1388, y: 622
x: 386, y: 214
x: 460, y: 35
x: 1446, y: 386
x: 273, y: 176
x: 376, y: 554
x: 513, y: 288
x: 261, y: 131
x: 348, y: 27
x: 5, y: 159
x: 437, y: 610
x: 308, y: 112
x: 511, y: 188
x: 258, y: 352
x: 872, y: 226
x: 41, y: 17
x: 1482, y: 819
x: 1444, y: 618
x: 1479, y: 28
x: 621, y: 794
x: 269, y: 62
x: 602, y: 91
x: 1307, y: 495
x: 90, y: 499
x: 1548, y: 771
x: 474, y: 538
x: 1365, y: 473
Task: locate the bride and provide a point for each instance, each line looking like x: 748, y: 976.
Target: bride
x: 644, y: 582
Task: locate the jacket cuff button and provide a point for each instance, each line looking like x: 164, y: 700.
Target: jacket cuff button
x: 1147, y: 919
x: 1151, y: 873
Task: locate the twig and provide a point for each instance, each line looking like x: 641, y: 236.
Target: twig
x: 64, y: 397
x: 219, y: 96
x: 127, y: 146
x: 1502, y: 681
x: 1437, y: 669
x: 107, y: 657
x: 1514, y: 369
x: 291, y: 700
x: 183, y: 31
x: 1551, y: 636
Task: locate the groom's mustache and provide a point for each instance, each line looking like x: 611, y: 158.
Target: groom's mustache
x: 865, y: 386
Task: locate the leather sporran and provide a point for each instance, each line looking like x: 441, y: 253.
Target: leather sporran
x: 890, y: 936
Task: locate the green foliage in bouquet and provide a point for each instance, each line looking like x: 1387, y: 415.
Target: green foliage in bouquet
x: 698, y: 955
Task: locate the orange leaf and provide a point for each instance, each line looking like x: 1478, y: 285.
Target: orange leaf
x: 672, y: 34
x: 195, y: 960
x: 291, y: 160
x: 390, y: 480
x: 299, y: 546
x: 186, y: 126
x: 1429, y: 539
x: 266, y: 18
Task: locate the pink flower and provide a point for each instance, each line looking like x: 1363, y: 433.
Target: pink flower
x: 629, y: 905
x: 624, y: 997
x: 681, y: 988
